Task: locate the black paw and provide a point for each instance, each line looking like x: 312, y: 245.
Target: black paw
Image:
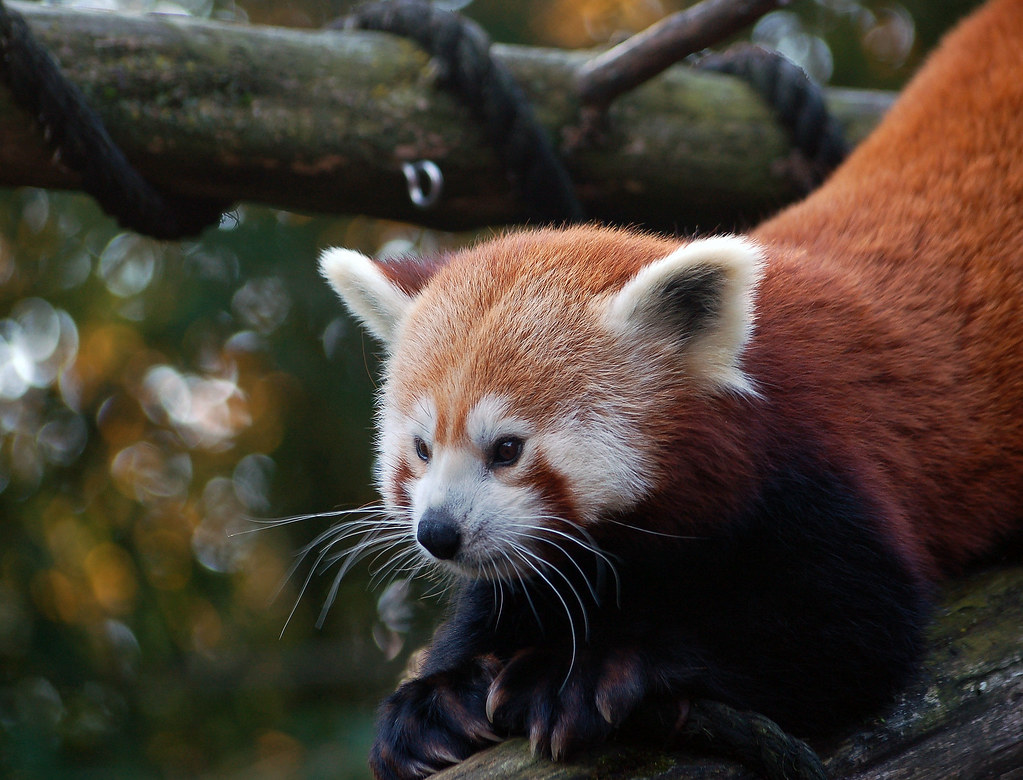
x: 432, y: 722
x: 562, y: 709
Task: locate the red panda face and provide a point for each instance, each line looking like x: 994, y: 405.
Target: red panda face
x: 487, y: 495
x: 530, y: 381
x: 498, y: 433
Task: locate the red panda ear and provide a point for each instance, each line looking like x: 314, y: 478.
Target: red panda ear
x: 372, y: 296
x: 698, y: 299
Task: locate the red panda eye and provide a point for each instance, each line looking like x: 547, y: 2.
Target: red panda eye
x: 422, y: 450
x: 506, y: 451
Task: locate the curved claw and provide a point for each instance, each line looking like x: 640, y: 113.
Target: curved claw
x: 622, y: 686
x: 432, y: 722
x: 561, y: 712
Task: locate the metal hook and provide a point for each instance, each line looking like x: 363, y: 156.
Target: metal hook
x: 434, y: 179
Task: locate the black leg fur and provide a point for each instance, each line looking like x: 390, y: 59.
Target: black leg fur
x: 434, y: 721
x: 801, y: 611
x: 562, y: 704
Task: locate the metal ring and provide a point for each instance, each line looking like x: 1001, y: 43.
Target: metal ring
x: 414, y: 173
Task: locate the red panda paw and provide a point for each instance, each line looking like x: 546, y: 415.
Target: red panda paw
x: 564, y: 707
x: 434, y: 721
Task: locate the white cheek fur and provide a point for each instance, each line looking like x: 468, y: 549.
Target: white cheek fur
x: 603, y: 468
x: 497, y: 520
x: 494, y: 518
x: 396, y: 445
x: 594, y: 449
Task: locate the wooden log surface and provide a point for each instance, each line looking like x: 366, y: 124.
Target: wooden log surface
x: 962, y: 719
x: 323, y: 120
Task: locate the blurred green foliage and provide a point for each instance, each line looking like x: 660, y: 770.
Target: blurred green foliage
x: 157, y: 398
x: 154, y: 398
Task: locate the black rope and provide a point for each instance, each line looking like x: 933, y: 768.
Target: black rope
x: 488, y: 88
x: 752, y: 739
x: 81, y: 142
x: 797, y: 102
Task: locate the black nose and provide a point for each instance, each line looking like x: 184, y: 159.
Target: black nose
x: 438, y: 533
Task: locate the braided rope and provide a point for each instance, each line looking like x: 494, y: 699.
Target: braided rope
x: 797, y: 102
x: 752, y: 739
x: 488, y: 88
x: 81, y: 142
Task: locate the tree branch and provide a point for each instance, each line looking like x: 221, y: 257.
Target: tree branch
x: 323, y: 121
x: 963, y: 718
x: 675, y: 37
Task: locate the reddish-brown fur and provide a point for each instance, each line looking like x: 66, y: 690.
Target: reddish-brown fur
x: 888, y: 323
x: 892, y: 309
x: 872, y: 443
x: 475, y: 325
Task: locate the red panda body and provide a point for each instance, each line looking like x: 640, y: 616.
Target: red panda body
x: 732, y: 467
x: 922, y: 232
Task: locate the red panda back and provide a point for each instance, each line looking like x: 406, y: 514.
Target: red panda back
x: 943, y: 173
x: 911, y: 261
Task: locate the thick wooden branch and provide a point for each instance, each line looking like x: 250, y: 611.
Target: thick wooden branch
x: 322, y: 121
x: 964, y: 718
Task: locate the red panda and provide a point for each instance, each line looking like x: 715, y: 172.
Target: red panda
x: 730, y: 467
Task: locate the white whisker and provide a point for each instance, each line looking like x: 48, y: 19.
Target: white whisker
x: 375, y: 545
x: 404, y: 562
x: 376, y: 530
x: 651, y: 532
x: 525, y: 555
x: 496, y: 588
x: 539, y: 559
x: 372, y: 539
x: 269, y: 523
x: 305, y: 584
x: 587, y: 543
x: 300, y: 556
x: 572, y: 560
x: 442, y: 578
x: 506, y: 545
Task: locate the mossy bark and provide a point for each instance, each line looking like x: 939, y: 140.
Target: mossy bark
x: 323, y: 120
x: 963, y: 718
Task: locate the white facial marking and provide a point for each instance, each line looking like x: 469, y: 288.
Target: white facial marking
x: 592, y: 448
x: 490, y: 420
x: 450, y: 483
x: 599, y: 455
x: 396, y: 444
x: 490, y: 513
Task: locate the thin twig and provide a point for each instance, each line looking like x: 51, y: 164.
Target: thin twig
x: 646, y: 54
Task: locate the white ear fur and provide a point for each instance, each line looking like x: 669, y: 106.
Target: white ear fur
x: 369, y: 295
x: 699, y: 301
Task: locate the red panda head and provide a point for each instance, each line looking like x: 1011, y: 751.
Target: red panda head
x: 531, y: 380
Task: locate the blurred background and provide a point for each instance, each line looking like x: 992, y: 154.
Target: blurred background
x: 157, y: 399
